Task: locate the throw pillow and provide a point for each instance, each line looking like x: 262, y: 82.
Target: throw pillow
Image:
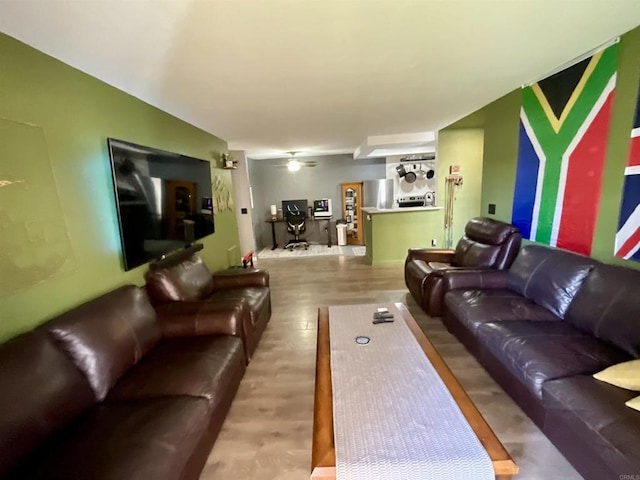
x: 634, y: 403
x: 625, y: 375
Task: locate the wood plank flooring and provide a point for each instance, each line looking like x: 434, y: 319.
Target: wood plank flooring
x: 267, y: 434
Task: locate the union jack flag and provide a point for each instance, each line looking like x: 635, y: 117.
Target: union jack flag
x: 628, y: 235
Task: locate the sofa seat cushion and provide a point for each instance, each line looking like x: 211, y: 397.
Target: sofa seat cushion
x: 596, y: 410
x: 256, y: 300
x: 475, y: 307
x: 134, y: 441
x: 205, y: 366
x: 535, y: 352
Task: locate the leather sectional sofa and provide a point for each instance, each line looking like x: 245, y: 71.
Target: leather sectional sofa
x: 542, y: 328
x: 111, y: 390
x: 487, y: 243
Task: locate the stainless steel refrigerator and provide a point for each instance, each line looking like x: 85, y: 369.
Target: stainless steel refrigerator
x: 378, y: 193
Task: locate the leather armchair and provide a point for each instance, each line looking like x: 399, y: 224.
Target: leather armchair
x: 189, y: 298
x: 486, y: 244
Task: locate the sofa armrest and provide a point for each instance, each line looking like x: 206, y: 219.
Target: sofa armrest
x: 431, y: 254
x: 235, y: 278
x: 474, y: 279
x: 183, y: 319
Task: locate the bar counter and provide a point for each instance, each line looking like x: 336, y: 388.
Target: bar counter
x: 390, y: 233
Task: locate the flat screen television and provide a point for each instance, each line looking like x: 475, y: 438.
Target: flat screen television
x: 163, y: 200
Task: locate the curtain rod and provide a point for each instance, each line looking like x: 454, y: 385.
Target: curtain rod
x: 575, y: 60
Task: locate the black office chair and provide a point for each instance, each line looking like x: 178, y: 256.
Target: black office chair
x: 296, y: 225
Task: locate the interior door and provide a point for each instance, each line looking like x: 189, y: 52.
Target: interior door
x: 181, y: 206
x: 352, y: 212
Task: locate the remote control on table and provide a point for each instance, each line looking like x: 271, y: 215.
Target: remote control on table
x: 382, y: 320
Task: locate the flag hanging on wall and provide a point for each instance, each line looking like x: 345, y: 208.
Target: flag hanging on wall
x: 564, y: 122
x: 628, y: 234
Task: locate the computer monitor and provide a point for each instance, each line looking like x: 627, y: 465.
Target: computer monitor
x: 322, y: 208
x: 294, y: 206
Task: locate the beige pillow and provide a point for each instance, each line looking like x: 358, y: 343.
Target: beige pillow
x: 634, y: 403
x: 625, y: 375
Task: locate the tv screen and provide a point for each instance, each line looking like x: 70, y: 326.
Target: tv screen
x: 163, y: 200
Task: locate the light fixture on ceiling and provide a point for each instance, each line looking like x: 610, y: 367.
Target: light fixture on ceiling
x: 293, y: 165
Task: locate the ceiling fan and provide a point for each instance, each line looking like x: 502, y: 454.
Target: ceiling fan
x: 293, y: 164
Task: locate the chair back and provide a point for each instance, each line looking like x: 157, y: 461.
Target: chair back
x: 487, y: 243
x: 295, y: 222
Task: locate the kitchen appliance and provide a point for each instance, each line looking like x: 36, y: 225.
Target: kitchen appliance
x: 378, y: 193
x: 426, y: 200
x: 411, y: 201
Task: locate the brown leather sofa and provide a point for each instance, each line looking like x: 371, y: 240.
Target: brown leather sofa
x: 106, y: 391
x: 486, y: 243
x: 189, y: 289
x: 542, y: 328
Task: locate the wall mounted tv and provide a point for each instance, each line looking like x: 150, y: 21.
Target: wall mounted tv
x: 163, y: 200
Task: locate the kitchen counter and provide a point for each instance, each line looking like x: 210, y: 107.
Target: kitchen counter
x: 389, y: 233
x: 399, y: 210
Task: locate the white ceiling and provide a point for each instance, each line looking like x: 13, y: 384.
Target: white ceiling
x: 271, y: 76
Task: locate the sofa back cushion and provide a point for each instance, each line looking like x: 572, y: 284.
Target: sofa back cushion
x: 42, y: 391
x: 608, y: 307
x: 187, y: 281
x: 548, y: 276
x: 487, y: 243
x: 107, y: 336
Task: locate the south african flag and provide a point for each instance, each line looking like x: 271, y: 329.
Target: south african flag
x: 564, y: 122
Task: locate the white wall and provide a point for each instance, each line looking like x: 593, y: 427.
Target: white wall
x: 242, y: 197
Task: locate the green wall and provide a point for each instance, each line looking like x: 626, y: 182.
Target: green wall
x: 62, y: 118
x: 501, y: 151
x: 463, y: 147
x: 500, y: 155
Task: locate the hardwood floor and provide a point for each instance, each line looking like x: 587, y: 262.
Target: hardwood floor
x: 267, y: 434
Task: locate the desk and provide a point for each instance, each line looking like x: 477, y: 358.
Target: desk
x: 311, y: 221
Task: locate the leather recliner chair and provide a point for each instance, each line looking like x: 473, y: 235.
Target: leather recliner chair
x: 188, y: 290
x: 486, y: 243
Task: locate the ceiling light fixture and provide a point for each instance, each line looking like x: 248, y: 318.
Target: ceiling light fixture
x: 293, y: 165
